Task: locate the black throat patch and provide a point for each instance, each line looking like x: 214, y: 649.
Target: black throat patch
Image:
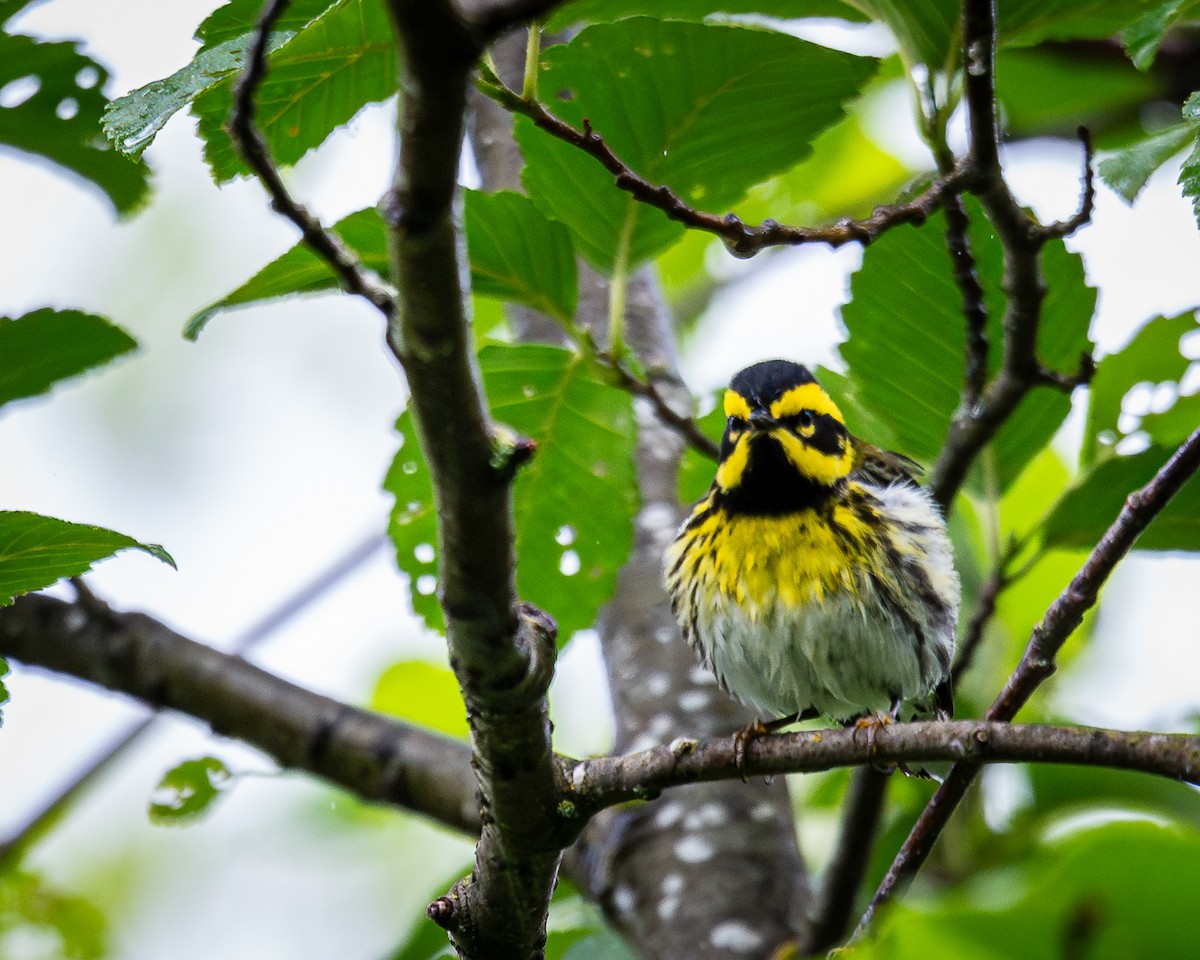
x: 771, y: 485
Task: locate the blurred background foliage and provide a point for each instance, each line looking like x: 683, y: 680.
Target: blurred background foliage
x: 804, y: 112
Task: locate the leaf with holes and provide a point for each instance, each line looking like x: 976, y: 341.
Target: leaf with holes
x: 1153, y: 356
x: 573, y: 503
x: 316, y: 82
x: 51, y: 104
x: 3, y: 689
x: 1080, y: 518
x: 187, y: 792
x: 679, y: 103
x: 907, y: 341
x: 39, y: 349
x: 35, y: 551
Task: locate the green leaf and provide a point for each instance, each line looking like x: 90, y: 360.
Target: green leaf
x: 187, y: 792
x: 1152, y: 356
x: 1087, y: 90
x: 51, y: 922
x: 300, y: 271
x: 568, y: 554
x: 607, y: 11
x: 42, y: 348
x: 907, y: 341
x: 59, y: 116
x: 605, y: 945
x: 1086, y: 511
x: 35, y: 551
x: 926, y: 30
x: 518, y: 255
x: 1116, y: 890
x: 316, y: 82
x: 422, y: 693
x: 1026, y: 22
x: 1175, y: 424
x: 426, y: 940
x: 3, y: 688
x: 1145, y: 35
x: 1189, y: 173
x: 1127, y: 170
x: 678, y: 102
x: 131, y: 122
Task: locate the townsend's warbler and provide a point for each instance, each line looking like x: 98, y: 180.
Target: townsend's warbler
x: 816, y: 576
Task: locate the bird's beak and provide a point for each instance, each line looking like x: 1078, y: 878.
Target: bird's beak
x: 762, y: 422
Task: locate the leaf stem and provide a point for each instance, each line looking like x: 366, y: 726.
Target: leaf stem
x: 533, y: 53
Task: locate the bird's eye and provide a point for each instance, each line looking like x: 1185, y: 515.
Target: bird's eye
x: 805, y: 418
x: 735, y: 424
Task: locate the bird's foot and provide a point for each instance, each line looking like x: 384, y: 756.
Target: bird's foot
x: 759, y: 728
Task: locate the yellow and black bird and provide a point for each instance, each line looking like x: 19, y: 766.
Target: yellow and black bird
x: 816, y: 577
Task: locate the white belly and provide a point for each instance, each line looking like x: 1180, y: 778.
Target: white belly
x: 843, y: 657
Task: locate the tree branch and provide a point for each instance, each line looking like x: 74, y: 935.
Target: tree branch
x: 250, y: 144
x: 1038, y: 662
x: 502, y: 654
x: 741, y: 239
x: 606, y: 781
x: 299, y: 600
x: 376, y: 757
x: 1022, y: 238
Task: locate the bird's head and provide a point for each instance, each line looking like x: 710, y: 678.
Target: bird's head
x: 785, y: 445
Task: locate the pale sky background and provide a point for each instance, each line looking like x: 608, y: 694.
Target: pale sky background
x: 255, y: 456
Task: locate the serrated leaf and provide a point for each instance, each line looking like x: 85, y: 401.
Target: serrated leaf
x: 1086, y: 511
x: 133, y: 121
x: 515, y: 254
x: 187, y: 792
x: 1152, y: 356
x: 573, y: 503
x: 907, y: 339
x: 35, y: 551
x: 678, y: 102
x: 1145, y: 35
x: 316, y: 82
x: 422, y: 693
x: 1189, y: 175
x: 52, y: 107
x: 300, y: 271
x: 1127, y: 170
x: 518, y: 255
x: 41, y: 348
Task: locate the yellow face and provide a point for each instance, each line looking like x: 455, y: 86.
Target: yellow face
x: 805, y: 424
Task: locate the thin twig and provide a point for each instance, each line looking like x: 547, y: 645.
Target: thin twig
x: 741, y: 239
x: 974, y: 305
x: 1087, y: 196
x: 685, y: 426
x: 981, y: 616
x: 252, y: 147
x: 1038, y: 663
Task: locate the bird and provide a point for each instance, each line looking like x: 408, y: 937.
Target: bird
x: 816, y: 576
